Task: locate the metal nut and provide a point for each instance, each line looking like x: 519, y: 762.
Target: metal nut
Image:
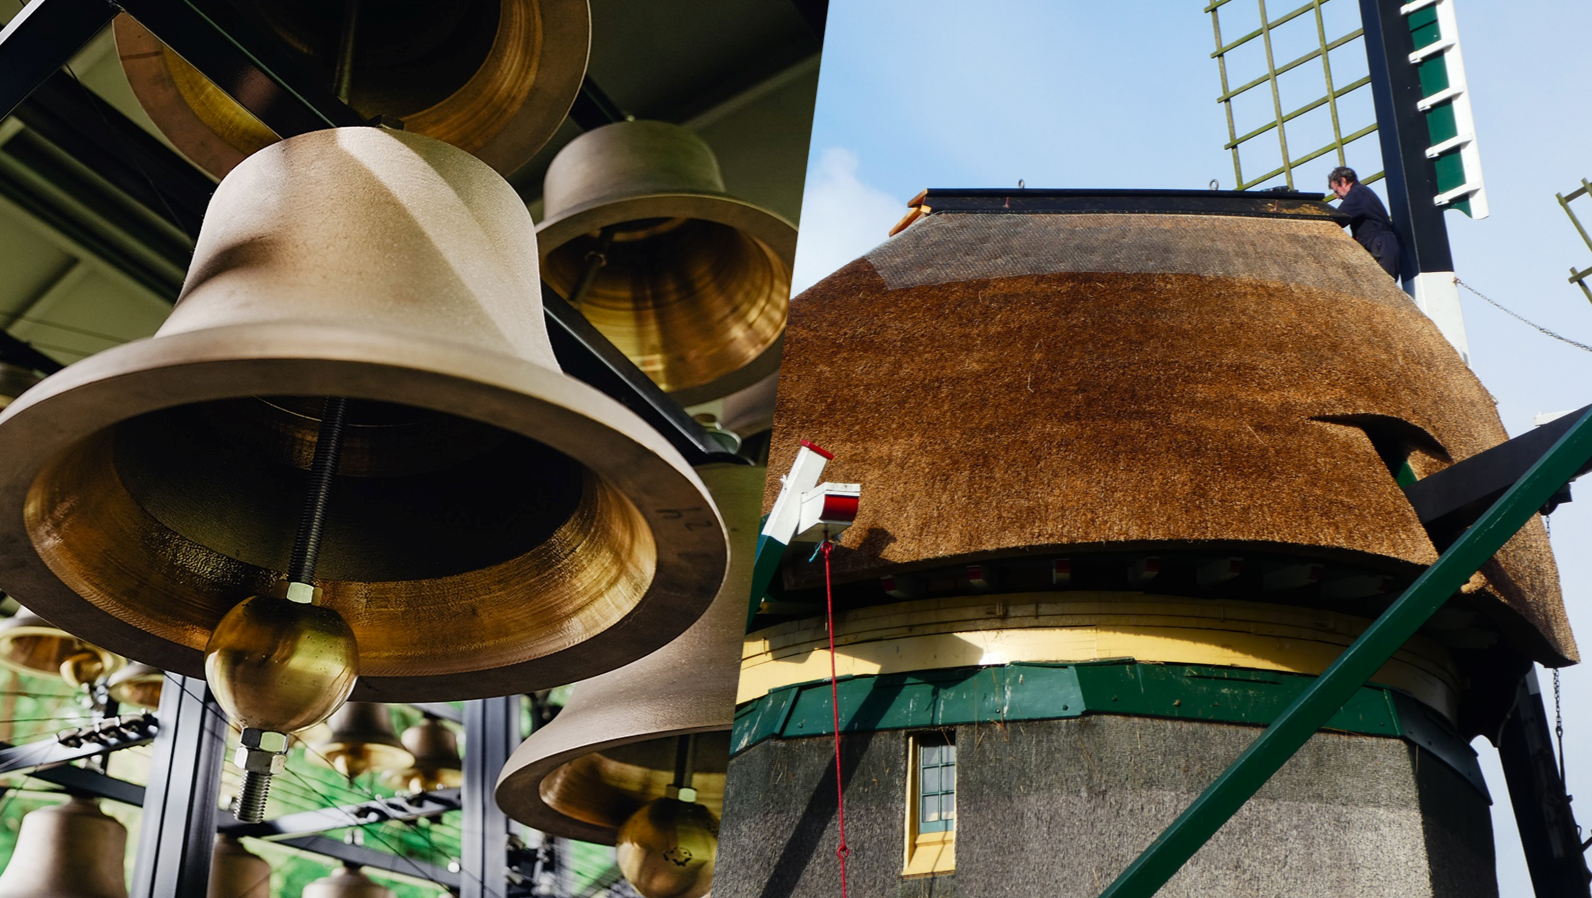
x: 265, y: 740
x: 253, y: 760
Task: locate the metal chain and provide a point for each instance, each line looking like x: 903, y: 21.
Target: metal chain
x: 1558, y: 723
x: 1494, y: 303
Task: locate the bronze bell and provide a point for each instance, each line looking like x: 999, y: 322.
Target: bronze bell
x: 348, y: 882
x: 362, y: 739
x: 235, y: 872
x: 493, y: 77
x: 690, y: 282
x: 137, y: 684
x: 71, y: 850
x: 437, y: 764
x: 495, y: 526
x: 625, y: 737
x: 667, y: 849
x: 31, y: 645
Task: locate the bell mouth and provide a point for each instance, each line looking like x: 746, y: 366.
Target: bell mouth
x: 604, y: 788
x: 695, y: 287
x: 492, y: 77
x: 31, y: 646
x: 469, y: 558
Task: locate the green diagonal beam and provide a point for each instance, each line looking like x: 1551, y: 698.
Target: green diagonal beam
x: 1289, y: 732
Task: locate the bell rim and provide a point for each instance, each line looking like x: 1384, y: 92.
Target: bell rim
x: 567, y: 36
x: 768, y: 228
x: 524, y: 398
x: 519, y: 789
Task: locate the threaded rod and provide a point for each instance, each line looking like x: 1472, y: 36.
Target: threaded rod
x: 328, y: 448
x: 251, y: 797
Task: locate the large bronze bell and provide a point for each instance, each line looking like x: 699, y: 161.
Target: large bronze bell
x: 622, y: 740
x: 495, y: 526
x: 362, y: 739
x: 235, y: 872
x: 690, y: 282
x: 348, y: 882
x: 437, y: 764
x: 29, y: 644
x: 137, y: 684
x: 492, y: 77
x: 71, y: 850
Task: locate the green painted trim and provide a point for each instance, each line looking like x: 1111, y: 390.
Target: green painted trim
x: 764, y: 567
x: 969, y: 695
x: 1358, y: 663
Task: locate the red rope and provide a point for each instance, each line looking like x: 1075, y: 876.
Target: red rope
x: 834, y: 705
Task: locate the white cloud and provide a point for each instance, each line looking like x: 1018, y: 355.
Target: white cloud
x: 842, y: 217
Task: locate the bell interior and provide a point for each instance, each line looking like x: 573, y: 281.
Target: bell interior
x: 450, y: 545
x: 40, y: 652
x: 688, y: 300
x: 604, y: 788
x: 456, y: 71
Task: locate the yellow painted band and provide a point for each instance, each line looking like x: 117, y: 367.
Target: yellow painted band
x: 965, y: 631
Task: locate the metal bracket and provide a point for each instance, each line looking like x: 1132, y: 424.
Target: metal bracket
x: 399, y: 808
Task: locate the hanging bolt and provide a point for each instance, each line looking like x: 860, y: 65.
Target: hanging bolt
x: 262, y: 755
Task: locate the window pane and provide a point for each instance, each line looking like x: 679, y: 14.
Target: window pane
x: 931, y: 780
x: 931, y: 754
x: 931, y: 808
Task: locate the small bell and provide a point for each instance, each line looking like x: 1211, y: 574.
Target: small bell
x: 692, y: 284
x: 72, y: 850
x: 348, y: 882
x: 437, y: 764
x: 31, y: 645
x: 362, y: 739
x: 137, y: 684
x: 235, y: 872
x: 666, y: 849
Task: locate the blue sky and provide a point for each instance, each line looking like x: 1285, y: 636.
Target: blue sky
x: 929, y: 93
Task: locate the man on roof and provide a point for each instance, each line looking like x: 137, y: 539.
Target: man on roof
x: 1368, y: 219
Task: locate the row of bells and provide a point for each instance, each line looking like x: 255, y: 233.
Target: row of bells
x: 76, y: 850
x: 497, y: 526
x: 689, y: 281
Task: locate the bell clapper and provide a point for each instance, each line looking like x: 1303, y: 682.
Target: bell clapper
x: 595, y: 260
x: 278, y: 666
x: 684, y: 769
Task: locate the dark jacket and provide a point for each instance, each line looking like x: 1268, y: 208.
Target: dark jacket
x: 1371, y: 227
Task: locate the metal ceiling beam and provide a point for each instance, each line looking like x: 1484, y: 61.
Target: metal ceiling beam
x: 594, y: 108
x: 378, y: 810
x: 112, y: 734
x: 179, y: 819
x: 361, y: 856
x: 1386, y: 635
x: 42, y: 37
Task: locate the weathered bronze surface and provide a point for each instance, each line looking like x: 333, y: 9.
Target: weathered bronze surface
x: 30, y: 644
x: 695, y: 283
x: 235, y: 872
x: 71, y: 850
x: 362, y: 738
x: 138, y: 684
x: 667, y: 849
x: 496, y: 526
x: 614, y: 747
x: 492, y: 77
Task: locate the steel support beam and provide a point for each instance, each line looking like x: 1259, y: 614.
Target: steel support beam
x: 1401, y: 128
x: 42, y: 37
x: 491, y: 733
x: 594, y: 108
x: 399, y: 808
x: 110, y: 735
x: 1542, y: 808
x: 583, y: 352
x: 179, y: 820
x: 1284, y: 737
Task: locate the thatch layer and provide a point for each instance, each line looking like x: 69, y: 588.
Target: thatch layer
x: 1065, y: 409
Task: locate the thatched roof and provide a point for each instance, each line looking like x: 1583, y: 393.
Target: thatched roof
x: 1011, y: 384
